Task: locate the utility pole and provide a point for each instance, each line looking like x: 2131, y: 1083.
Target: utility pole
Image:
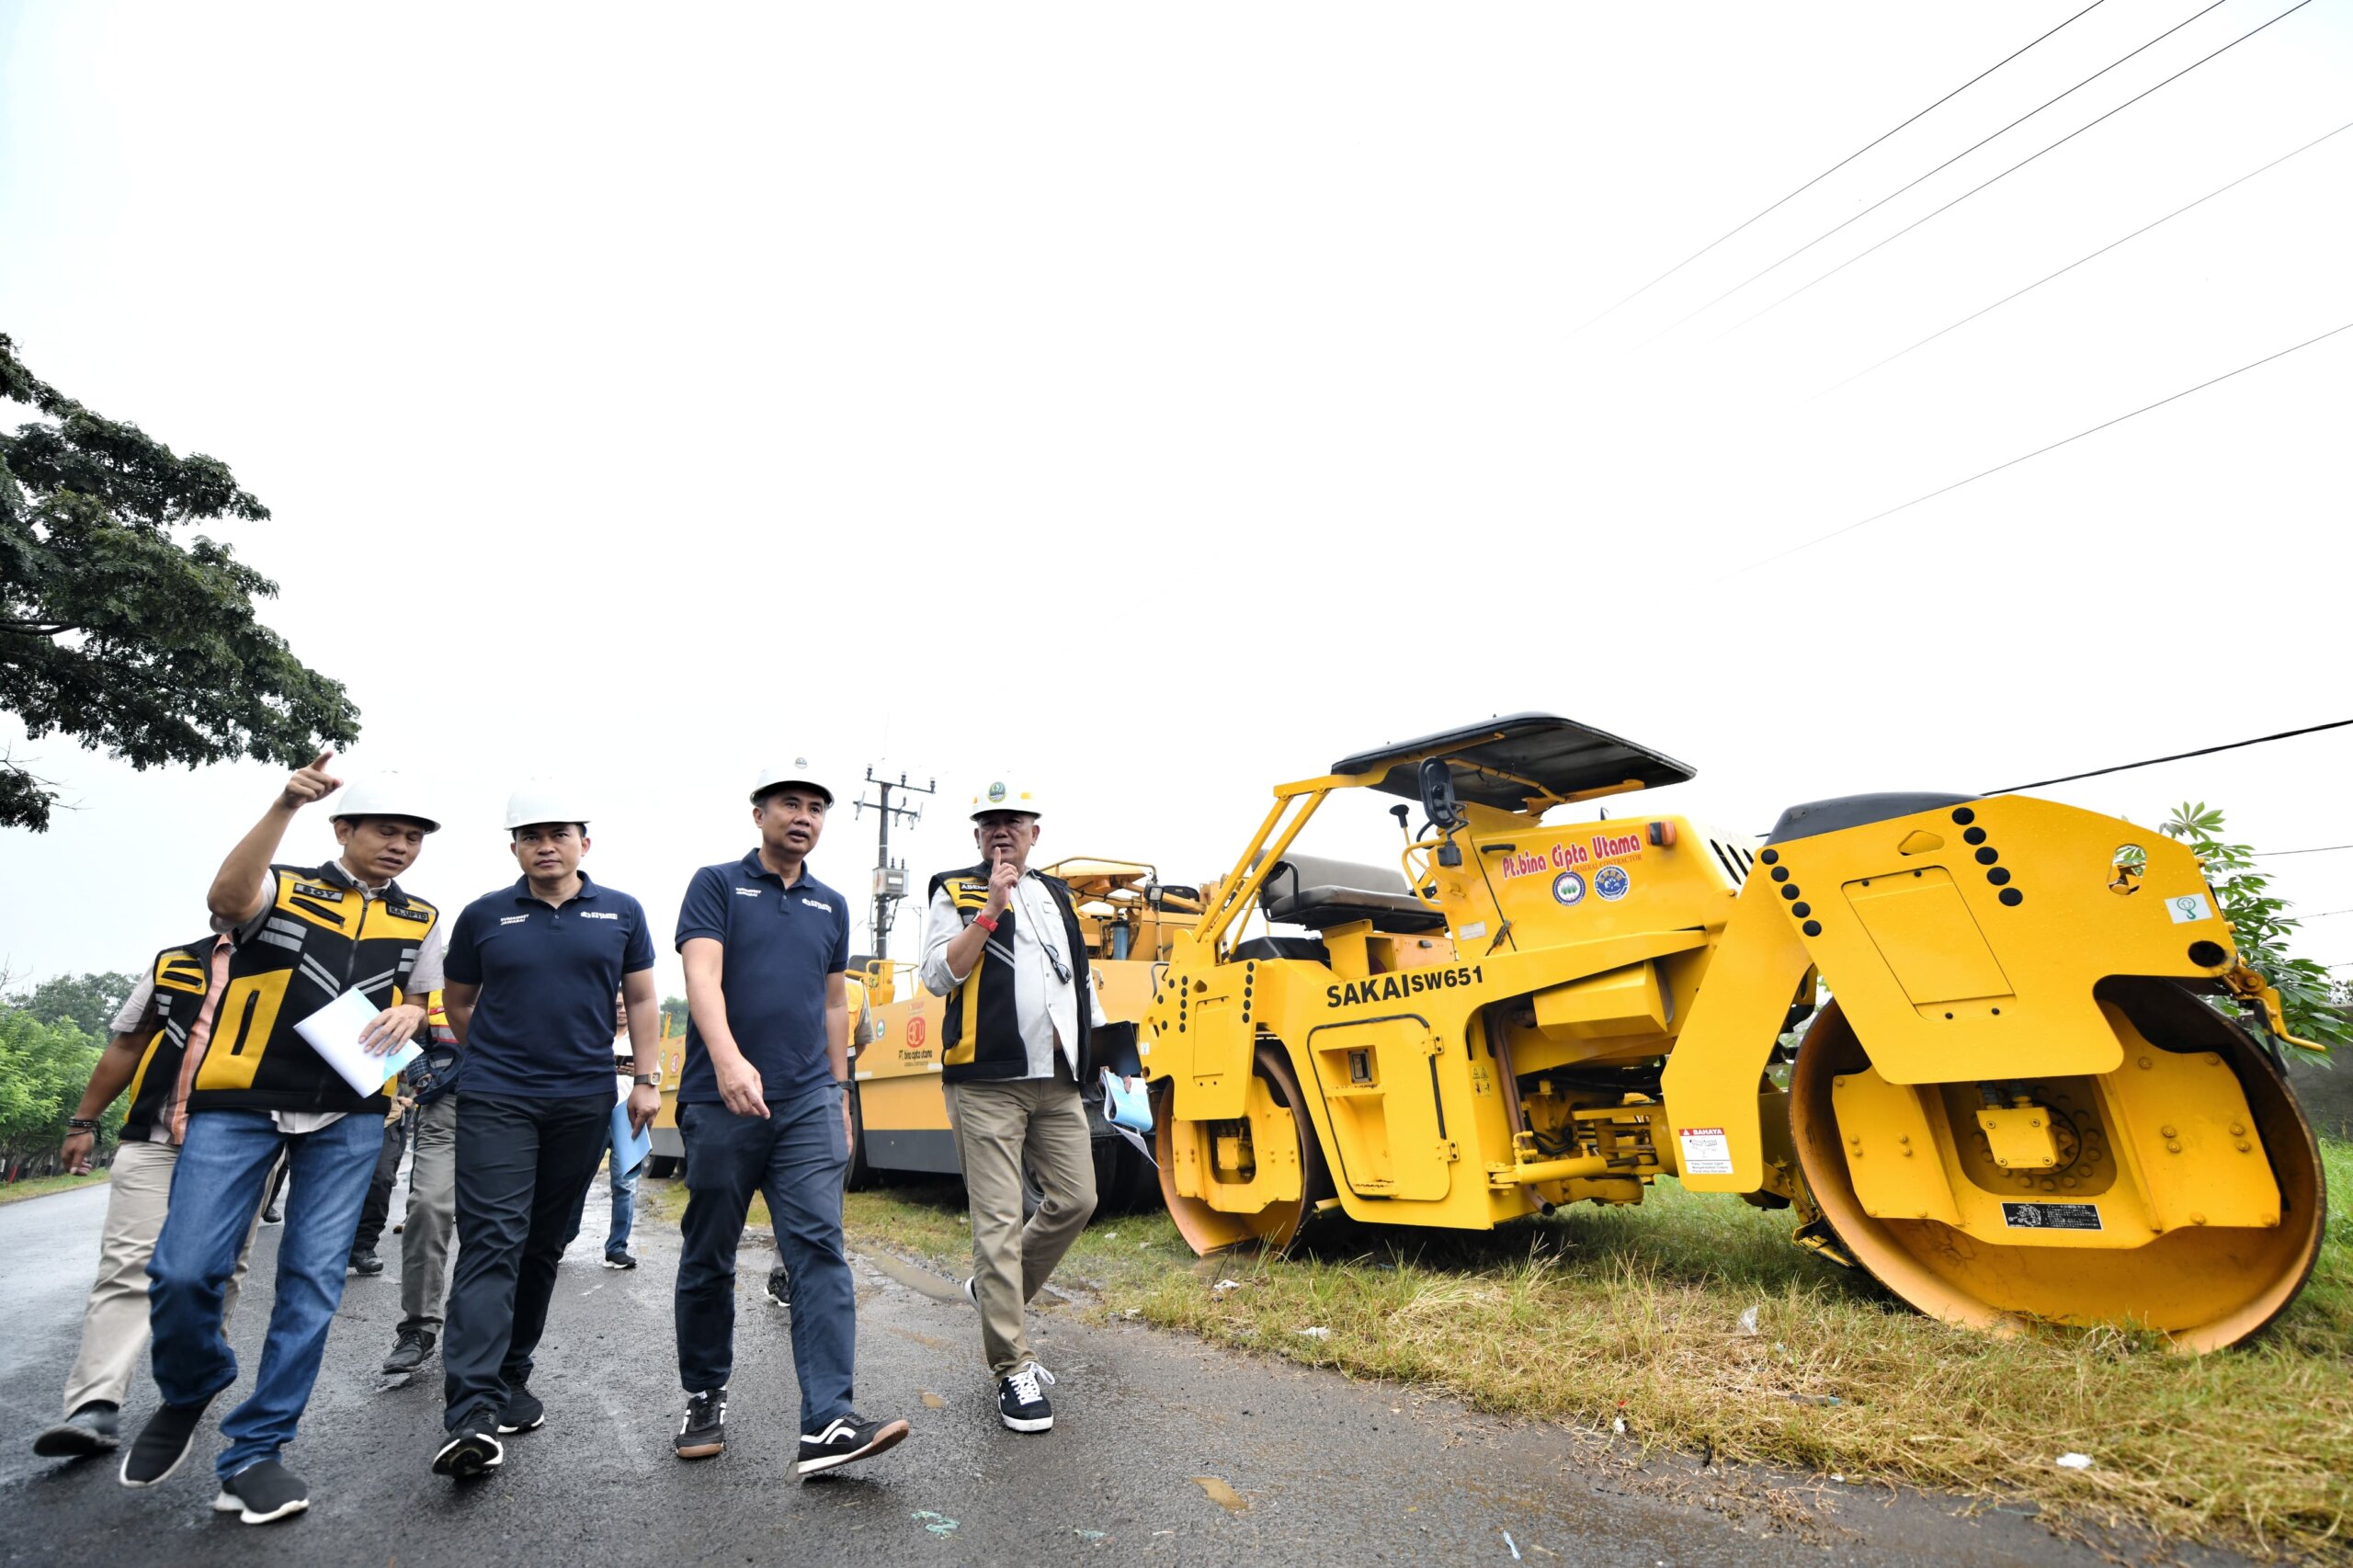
x: 890, y: 881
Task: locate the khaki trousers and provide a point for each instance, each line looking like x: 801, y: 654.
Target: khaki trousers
x: 114, y: 1323
x: 432, y: 1215
x: 1002, y: 1127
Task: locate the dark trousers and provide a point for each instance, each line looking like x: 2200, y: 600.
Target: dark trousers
x: 379, y: 1207
x: 522, y: 1165
x: 797, y: 1155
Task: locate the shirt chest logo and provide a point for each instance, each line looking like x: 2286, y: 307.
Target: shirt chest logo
x: 815, y: 904
x: 747, y: 893
x: 600, y: 914
x: 514, y: 919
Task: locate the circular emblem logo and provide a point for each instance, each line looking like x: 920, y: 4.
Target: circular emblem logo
x: 915, y: 1032
x: 996, y: 793
x: 1612, y: 882
x: 1568, y: 888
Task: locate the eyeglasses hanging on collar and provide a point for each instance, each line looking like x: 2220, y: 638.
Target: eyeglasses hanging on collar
x: 1061, y: 970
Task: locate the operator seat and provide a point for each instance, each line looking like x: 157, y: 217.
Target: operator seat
x: 1309, y: 891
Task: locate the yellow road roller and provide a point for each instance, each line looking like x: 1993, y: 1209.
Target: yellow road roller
x: 2014, y: 1103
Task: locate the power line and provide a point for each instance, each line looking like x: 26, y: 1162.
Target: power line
x: 2080, y: 260
x: 1956, y: 485
x: 2324, y: 849
x: 2005, y: 174
x: 1940, y: 167
x: 1841, y: 163
x: 2152, y: 762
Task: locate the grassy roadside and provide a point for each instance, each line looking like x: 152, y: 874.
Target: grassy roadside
x: 41, y: 1186
x: 1596, y: 1314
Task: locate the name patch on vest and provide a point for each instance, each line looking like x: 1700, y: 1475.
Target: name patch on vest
x: 312, y: 890
x: 401, y: 912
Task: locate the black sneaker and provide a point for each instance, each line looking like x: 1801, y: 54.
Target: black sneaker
x: 366, y: 1264
x: 274, y: 1215
x: 1021, y: 1402
x: 620, y: 1259
x: 411, y: 1350
x: 163, y: 1444
x: 704, y: 1431
x: 89, y: 1430
x: 524, y: 1413
x: 846, y: 1438
x: 262, y: 1492
x: 780, y: 1286
x: 470, y: 1451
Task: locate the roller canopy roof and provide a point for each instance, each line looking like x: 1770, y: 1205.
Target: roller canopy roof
x: 1494, y: 763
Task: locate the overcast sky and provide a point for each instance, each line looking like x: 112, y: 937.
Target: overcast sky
x: 1147, y: 403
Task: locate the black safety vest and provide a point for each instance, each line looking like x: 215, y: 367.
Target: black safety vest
x: 319, y: 938
x: 980, y: 1036
x: 181, y: 977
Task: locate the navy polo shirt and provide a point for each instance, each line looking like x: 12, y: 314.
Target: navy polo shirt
x: 781, y: 942
x: 543, y: 1026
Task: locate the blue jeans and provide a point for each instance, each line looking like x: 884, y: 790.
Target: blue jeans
x: 625, y: 1186
x: 216, y: 1187
x: 798, y: 1157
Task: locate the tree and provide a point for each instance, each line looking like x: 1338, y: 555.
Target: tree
x: 2308, y: 1002
x: 674, y: 1013
x: 88, y: 1001
x: 44, y: 1068
x: 115, y: 633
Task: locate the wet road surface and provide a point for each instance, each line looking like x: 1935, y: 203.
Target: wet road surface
x: 1165, y: 1451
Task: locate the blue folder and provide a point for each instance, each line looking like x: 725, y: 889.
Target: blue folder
x: 629, y: 1147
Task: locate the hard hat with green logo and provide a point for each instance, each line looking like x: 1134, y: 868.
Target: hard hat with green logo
x: 999, y: 796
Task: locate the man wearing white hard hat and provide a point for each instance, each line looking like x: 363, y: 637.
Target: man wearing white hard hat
x: 532, y: 972
x: 1002, y: 945
x: 301, y: 937
x: 761, y: 1108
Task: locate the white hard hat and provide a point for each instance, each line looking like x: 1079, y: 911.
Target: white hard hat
x: 540, y: 800
x: 382, y: 795
x: 998, y: 796
x: 794, y: 770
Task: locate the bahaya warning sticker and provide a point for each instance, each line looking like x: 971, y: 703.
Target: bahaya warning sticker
x: 2189, y: 906
x: 1706, y: 1150
x: 2050, y: 1216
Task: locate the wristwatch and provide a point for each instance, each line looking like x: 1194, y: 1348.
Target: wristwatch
x: 648, y: 1080
x: 82, y: 1123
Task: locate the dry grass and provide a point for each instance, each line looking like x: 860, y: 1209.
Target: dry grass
x: 1596, y: 1314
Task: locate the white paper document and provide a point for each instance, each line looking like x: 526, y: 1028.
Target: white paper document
x: 334, y: 1032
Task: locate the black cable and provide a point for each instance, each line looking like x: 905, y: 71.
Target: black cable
x: 1941, y: 167
x: 2152, y: 762
x: 2005, y: 174
x: 2324, y: 849
x: 1834, y: 168
x: 2080, y: 260
x: 1941, y: 489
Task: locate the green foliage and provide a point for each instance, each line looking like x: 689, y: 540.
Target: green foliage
x: 2311, y: 1002
x: 44, y: 1068
x: 674, y: 1014
x: 88, y: 1001
x: 114, y: 632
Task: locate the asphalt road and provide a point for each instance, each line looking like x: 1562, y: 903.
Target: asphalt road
x: 1153, y: 1431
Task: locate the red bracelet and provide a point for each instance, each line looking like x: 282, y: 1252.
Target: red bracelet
x: 986, y: 924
